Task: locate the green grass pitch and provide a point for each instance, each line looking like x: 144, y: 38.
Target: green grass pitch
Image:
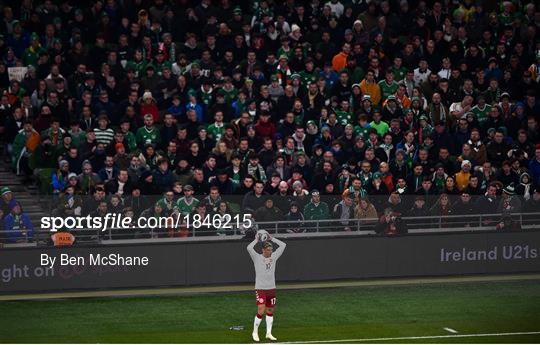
x: 301, y: 315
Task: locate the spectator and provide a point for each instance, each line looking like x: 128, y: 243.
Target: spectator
x: 255, y: 198
x: 104, y: 134
x: 295, y: 219
x: 534, y: 167
x: 370, y: 88
x: 268, y: 212
x: 365, y: 210
x: 497, y: 149
x: 401, y: 89
x: 419, y: 208
x: 510, y: 202
x: 344, y: 211
x: 524, y: 188
x: 109, y: 171
x: 148, y: 134
x: 25, y: 143
x: 7, y: 199
x: 533, y: 204
x: 87, y: 179
x: 69, y: 204
x: 443, y: 207
x: 462, y: 177
x: 59, y: 179
x: 135, y: 202
x: 148, y: 106
x: 316, y: 209
x: 17, y: 225
x: 390, y: 224
x: 162, y: 176
x: 121, y: 185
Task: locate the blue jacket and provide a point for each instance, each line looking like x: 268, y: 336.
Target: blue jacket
x: 13, y: 236
x: 176, y: 111
x: 199, y: 110
x: 534, y: 168
x: 163, y: 179
x: 58, y: 183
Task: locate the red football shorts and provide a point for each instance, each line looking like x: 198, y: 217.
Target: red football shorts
x: 267, y: 297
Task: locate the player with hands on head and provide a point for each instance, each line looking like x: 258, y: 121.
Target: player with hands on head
x: 265, y: 281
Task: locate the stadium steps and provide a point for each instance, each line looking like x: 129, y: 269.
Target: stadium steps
x: 26, y: 193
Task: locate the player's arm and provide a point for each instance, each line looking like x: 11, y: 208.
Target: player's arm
x: 281, y: 247
x: 251, y: 248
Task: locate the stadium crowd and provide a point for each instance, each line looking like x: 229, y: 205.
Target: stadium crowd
x: 294, y: 109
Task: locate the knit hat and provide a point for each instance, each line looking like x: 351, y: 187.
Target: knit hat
x: 297, y: 184
x: 509, y: 189
x: 70, y: 175
x: 12, y: 204
x: 523, y: 175
x: 146, y: 95
x: 5, y: 190
x: 465, y: 162
x: 62, y: 163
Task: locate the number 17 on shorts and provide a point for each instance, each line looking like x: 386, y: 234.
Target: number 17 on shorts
x: 266, y: 297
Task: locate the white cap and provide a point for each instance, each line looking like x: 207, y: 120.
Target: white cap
x: 147, y: 94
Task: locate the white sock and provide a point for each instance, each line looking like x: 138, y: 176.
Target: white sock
x: 269, y: 322
x: 256, y: 323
